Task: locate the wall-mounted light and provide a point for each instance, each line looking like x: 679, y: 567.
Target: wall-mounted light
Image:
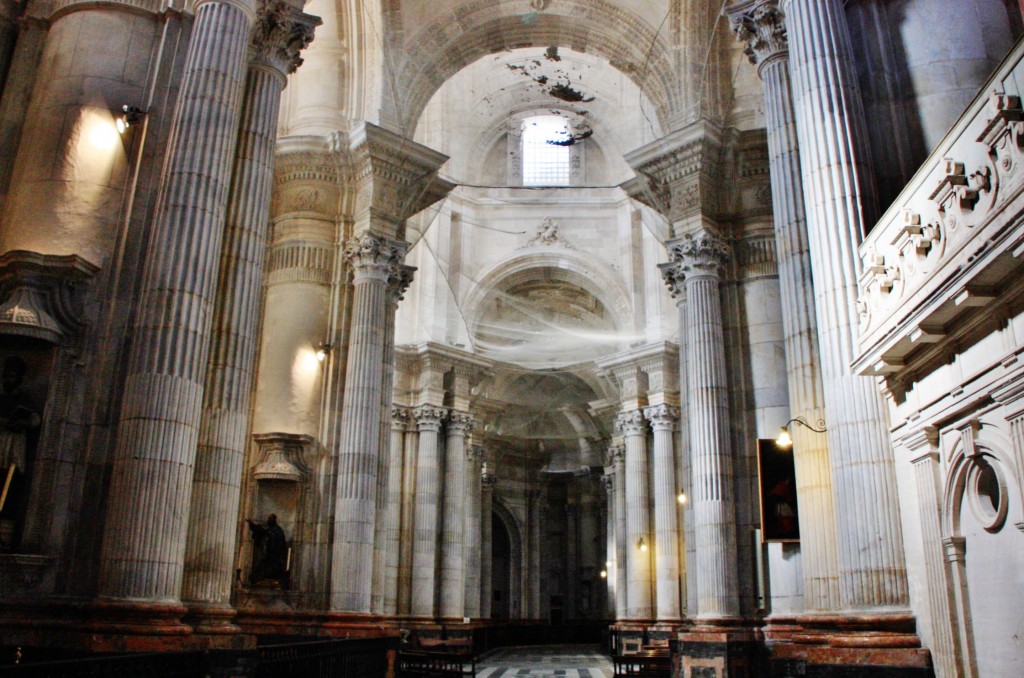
x: 641, y: 544
x: 604, y: 574
x: 785, y: 440
x: 322, y: 351
x: 681, y: 497
x: 130, y: 115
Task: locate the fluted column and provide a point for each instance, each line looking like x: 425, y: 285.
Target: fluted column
x: 618, y: 459
x: 840, y: 202
x: 392, y: 514
x: 279, y: 35
x: 663, y: 420
x: 638, y: 516
x: 453, y: 574
x: 763, y: 29
x: 373, y: 261
x: 389, y: 467
x: 701, y: 258
x: 611, y: 599
x: 428, y: 495
x: 535, y: 573
x: 487, y: 482
x: 151, y: 479
x: 473, y: 559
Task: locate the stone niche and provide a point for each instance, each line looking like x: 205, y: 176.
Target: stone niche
x: 280, y: 484
x: 41, y: 327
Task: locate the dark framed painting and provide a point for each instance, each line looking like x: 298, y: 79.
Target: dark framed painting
x: 776, y: 472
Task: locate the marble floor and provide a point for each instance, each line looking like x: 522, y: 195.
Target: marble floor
x: 564, y: 661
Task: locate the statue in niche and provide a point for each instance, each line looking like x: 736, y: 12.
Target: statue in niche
x: 270, y: 554
x: 19, y: 423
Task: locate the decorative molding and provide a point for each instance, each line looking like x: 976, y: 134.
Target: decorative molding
x: 300, y: 261
x: 43, y: 295
x: 547, y: 235
x: 281, y: 456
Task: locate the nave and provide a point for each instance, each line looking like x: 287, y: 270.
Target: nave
x: 570, y: 661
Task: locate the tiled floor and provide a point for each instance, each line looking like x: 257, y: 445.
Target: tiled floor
x: 568, y: 661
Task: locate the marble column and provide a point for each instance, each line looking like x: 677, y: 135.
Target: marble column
x: 535, y: 573
x: 763, y: 29
x: 840, y: 200
x: 611, y: 598
x: 151, y: 478
x: 373, y: 260
x: 638, y: 516
x: 279, y: 35
x: 701, y: 258
x: 663, y: 420
x: 393, y: 511
x: 618, y: 459
x: 428, y: 496
x: 389, y: 466
x: 407, y: 529
x: 945, y: 642
x: 487, y: 482
x: 472, y: 558
x: 452, y: 599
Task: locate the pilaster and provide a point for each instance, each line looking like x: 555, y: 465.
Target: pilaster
x: 663, y: 419
x: 453, y: 532
x: 639, y: 539
x: 428, y: 496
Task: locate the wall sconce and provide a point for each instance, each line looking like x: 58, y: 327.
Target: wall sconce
x: 681, y: 498
x: 130, y: 115
x: 785, y: 440
x: 642, y: 545
x: 604, y: 574
x: 322, y: 351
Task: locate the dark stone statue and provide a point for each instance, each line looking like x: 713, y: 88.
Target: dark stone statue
x: 269, y: 553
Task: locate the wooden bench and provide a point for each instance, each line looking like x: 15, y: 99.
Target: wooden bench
x: 440, y: 658
x: 648, y: 663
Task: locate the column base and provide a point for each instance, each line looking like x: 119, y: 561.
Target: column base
x: 846, y: 646
x: 720, y: 648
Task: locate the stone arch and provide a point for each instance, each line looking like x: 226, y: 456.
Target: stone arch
x: 483, y: 27
x: 568, y: 266
x: 517, y: 583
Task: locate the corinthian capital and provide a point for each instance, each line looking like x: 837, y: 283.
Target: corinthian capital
x: 429, y: 418
x: 700, y: 254
x: 662, y: 417
x: 460, y: 423
x: 631, y: 423
x: 762, y: 27
x: 399, y: 281
x: 280, y: 34
x: 374, y: 257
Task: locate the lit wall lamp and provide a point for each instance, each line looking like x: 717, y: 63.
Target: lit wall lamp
x: 641, y: 544
x: 681, y: 498
x: 785, y: 440
x: 604, y: 574
x: 130, y: 115
x: 322, y: 351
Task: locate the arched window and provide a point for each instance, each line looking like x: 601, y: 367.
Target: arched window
x: 546, y: 151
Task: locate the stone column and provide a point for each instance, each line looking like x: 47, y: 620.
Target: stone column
x: 453, y: 521
x: 701, y: 258
x: 945, y: 641
x: 763, y: 29
x: 663, y: 420
x: 393, y: 511
x: 487, y: 482
x: 151, y: 478
x: 472, y: 559
x: 840, y: 201
x: 638, y: 516
x: 535, y: 573
x: 428, y: 495
x: 373, y: 260
x: 389, y: 467
x: 280, y: 33
x: 407, y: 530
x: 618, y: 459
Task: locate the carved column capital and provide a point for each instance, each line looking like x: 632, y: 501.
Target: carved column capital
x: 662, y: 417
x: 762, y: 27
x: 701, y: 254
x: 608, y: 481
x: 429, y: 417
x: 674, y: 276
x: 488, y: 481
x: 631, y: 423
x: 280, y: 34
x: 373, y: 257
x: 400, y: 417
x: 460, y: 423
x: 617, y: 455
x: 399, y: 279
